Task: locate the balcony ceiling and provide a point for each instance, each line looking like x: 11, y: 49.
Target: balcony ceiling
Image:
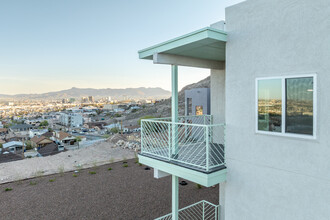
x: 207, y: 43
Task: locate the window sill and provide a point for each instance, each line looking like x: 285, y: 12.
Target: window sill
x: 297, y: 136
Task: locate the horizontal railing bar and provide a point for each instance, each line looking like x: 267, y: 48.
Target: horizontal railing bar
x: 178, y: 123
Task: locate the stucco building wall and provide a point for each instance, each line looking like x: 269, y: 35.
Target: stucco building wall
x: 273, y: 177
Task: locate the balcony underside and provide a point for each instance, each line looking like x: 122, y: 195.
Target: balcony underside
x: 203, y: 178
x: 192, y: 156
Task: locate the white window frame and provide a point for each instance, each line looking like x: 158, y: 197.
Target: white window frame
x: 282, y: 133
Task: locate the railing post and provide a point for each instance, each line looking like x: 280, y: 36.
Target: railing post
x: 169, y: 142
x: 207, y: 147
x: 203, y: 210
x: 141, y: 136
x: 175, y: 197
x: 216, y: 212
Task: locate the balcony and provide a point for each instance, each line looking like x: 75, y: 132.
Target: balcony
x: 200, y: 210
x: 193, y: 142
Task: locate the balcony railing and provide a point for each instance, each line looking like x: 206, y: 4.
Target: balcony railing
x: 194, y: 141
x: 202, y: 210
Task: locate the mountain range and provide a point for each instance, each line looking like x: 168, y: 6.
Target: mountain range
x: 142, y: 92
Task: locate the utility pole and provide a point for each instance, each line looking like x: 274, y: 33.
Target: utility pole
x: 22, y: 149
x: 121, y: 127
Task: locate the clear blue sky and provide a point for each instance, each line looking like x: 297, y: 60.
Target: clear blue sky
x: 50, y: 45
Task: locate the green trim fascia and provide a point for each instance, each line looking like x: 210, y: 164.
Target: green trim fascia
x: 195, y: 36
x: 204, y: 179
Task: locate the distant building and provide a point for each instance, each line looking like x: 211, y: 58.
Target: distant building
x: 197, y: 101
x: 13, y: 146
x: 40, y: 142
x: 49, y: 149
x: 37, y: 132
x: 65, y: 138
x: 21, y: 128
x: 71, y: 119
x: 3, y: 131
x: 91, y: 99
x: 110, y: 107
x: 84, y: 99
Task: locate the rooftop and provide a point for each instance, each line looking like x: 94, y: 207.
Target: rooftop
x: 207, y: 44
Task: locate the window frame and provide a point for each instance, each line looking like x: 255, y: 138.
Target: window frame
x: 283, y: 117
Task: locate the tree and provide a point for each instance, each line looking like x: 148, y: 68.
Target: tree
x: 1, y: 146
x: 44, y: 123
x: 28, y: 145
x: 114, y: 130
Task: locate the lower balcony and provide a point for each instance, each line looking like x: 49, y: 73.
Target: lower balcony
x: 193, y: 142
x: 201, y: 210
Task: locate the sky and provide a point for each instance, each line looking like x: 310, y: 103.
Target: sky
x: 48, y: 45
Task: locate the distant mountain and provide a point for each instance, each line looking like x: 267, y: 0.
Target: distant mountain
x: 141, y: 92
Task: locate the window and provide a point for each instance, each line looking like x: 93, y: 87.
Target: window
x: 286, y: 105
x: 189, y: 106
x: 199, y: 110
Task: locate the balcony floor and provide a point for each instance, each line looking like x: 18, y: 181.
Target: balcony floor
x: 192, y: 156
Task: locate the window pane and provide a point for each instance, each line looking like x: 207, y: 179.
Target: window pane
x: 270, y: 105
x: 299, y: 106
x: 199, y: 110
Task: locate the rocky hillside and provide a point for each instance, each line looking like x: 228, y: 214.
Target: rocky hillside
x: 163, y: 109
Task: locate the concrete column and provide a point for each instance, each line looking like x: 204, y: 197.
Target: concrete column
x: 218, y: 95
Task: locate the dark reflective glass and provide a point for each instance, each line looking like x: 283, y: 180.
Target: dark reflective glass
x: 299, y: 105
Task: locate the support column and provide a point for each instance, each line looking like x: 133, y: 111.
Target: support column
x: 175, y: 112
x: 175, y: 197
x: 222, y: 197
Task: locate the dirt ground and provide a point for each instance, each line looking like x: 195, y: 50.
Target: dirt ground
x: 97, y: 193
x: 100, y: 153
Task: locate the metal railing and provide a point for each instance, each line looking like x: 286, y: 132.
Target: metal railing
x: 202, y: 210
x: 193, y: 141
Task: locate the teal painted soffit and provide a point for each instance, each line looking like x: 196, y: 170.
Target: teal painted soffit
x: 207, y: 43
x: 205, y: 179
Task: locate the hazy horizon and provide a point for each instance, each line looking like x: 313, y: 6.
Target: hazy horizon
x: 55, y: 45
x: 84, y: 88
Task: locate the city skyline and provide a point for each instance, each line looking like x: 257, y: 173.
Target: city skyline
x: 50, y: 46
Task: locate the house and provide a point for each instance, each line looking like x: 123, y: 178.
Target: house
x: 22, y: 129
x: 37, y: 132
x: 48, y: 134
x: 65, y: 138
x: 268, y: 144
x: 49, y: 149
x: 40, y: 141
x: 13, y: 146
x: 3, y: 131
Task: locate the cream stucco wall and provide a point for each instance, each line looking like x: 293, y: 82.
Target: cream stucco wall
x: 271, y: 177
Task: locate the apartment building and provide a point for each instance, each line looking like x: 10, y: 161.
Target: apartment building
x: 267, y: 140
x: 71, y: 119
